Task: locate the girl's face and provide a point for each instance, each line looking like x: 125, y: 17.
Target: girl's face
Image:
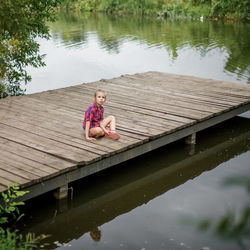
x: 100, y: 98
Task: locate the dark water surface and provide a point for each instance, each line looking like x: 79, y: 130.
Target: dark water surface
x: 141, y: 204
x: 86, y: 48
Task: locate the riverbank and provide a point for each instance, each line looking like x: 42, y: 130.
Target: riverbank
x: 209, y: 9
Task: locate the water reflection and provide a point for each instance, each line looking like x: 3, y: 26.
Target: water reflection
x: 89, y: 47
x: 174, y: 35
x: 104, y: 197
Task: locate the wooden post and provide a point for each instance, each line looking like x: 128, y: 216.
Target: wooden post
x: 61, y: 192
x: 61, y: 205
x: 191, y: 139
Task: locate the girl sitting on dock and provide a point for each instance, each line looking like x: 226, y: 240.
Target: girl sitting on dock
x: 94, y: 124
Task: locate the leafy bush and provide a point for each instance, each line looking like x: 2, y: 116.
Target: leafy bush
x: 9, y: 210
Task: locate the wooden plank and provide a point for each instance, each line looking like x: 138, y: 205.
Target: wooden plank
x: 143, y: 108
x: 10, y: 178
x: 40, y: 111
x: 47, y: 145
x: 170, y: 107
x: 20, y: 172
x: 35, y: 155
x: 166, y: 111
x: 160, y: 77
x: 174, y: 92
x: 55, y: 136
x: 2, y: 187
x: 57, y: 149
x: 58, y: 92
x: 22, y: 163
x: 42, y: 139
x: 4, y: 181
x: 183, y: 86
x: 75, y: 135
x: 136, y: 97
x: 149, y: 128
x: 42, y: 169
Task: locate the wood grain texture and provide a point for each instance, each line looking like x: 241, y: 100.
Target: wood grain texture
x: 41, y: 134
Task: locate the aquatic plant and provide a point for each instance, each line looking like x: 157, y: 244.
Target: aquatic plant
x: 9, y: 209
x: 11, y: 239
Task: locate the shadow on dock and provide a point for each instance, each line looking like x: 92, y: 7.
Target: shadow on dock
x: 134, y: 183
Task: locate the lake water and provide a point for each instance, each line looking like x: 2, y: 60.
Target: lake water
x: 87, y: 48
x: 142, y: 204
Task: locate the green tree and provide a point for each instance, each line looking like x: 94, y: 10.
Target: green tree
x: 21, y: 22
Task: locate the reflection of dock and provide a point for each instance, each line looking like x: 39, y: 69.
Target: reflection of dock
x: 42, y: 143
x: 133, y: 190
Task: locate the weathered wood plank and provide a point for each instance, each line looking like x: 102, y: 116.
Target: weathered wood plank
x: 198, y: 82
x: 20, y: 172
x: 32, y: 167
x: 5, y: 182
x: 42, y: 138
x: 60, y: 150
x: 35, y: 155
x: 2, y: 187
x: 10, y: 178
x: 72, y: 134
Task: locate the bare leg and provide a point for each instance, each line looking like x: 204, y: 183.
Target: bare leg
x: 110, y: 120
x: 97, y: 131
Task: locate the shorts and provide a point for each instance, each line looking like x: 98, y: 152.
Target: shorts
x: 85, y: 132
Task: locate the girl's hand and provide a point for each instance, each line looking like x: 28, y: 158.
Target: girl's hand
x: 106, y: 131
x: 90, y: 139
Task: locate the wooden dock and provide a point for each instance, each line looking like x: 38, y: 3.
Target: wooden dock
x: 42, y: 144
x: 130, y: 191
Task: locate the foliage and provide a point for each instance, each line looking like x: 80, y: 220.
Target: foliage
x: 9, y: 239
x: 240, y: 8
x: 9, y: 210
x: 12, y: 240
x: 87, y: 5
x: 21, y: 22
x: 168, y: 8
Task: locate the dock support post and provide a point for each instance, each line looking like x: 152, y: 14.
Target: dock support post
x: 62, y: 206
x: 61, y: 192
x: 191, y: 139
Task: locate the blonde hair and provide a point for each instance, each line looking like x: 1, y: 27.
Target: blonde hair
x: 100, y: 90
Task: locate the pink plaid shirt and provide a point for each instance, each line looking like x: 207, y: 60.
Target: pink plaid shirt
x: 94, y: 114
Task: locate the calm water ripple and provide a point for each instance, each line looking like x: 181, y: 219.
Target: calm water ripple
x: 86, y: 48
x: 143, y: 203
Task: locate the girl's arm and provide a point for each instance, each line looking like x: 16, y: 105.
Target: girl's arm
x: 87, y: 132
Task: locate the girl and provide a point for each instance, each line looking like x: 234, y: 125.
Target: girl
x: 94, y: 124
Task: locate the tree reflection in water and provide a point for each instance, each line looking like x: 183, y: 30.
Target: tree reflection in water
x: 174, y: 35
